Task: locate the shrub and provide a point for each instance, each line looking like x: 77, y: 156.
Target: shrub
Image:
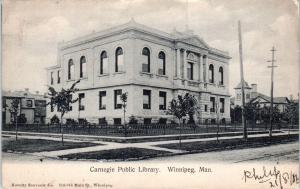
x: 162, y: 121
x: 132, y: 120
x: 54, y: 119
x: 102, y: 121
x: 71, y: 122
x: 22, y: 118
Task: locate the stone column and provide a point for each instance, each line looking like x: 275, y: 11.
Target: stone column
x: 184, y: 74
x: 178, y: 63
x: 206, y: 68
x: 200, y: 69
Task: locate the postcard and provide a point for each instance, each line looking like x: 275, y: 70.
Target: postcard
x: 150, y: 94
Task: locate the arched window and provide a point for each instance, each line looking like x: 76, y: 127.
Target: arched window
x: 221, y: 76
x: 119, y: 60
x: 211, y: 73
x: 103, y: 62
x: 82, y: 67
x: 70, y: 69
x: 161, y: 63
x: 146, y: 60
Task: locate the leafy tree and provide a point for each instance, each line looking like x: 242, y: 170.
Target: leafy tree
x: 236, y: 114
x: 291, y: 114
x: 14, y: 109
x: 181, y: 107
x: 62, y: 100
x: 252, y: 112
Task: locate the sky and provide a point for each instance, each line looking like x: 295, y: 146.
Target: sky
x: 32, y: 30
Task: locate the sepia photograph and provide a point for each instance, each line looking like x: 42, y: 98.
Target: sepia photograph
x: 150, y: 94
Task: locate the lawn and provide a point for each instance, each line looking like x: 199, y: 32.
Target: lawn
x: 206, y: 146
x: 116, y: 154
x: 39, y: 145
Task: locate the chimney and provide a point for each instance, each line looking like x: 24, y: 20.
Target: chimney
x: 26, y: 89
x: 37, y: 92
x: 254, y: 87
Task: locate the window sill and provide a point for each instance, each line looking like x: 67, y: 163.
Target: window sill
x: 120, y: 72
x: 103, y: 75
x: 213, y: 84
x: 146, y: 73
x: 83, y: 78
x: 158, y: 75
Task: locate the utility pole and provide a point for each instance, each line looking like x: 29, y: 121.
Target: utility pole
x: 272, y: 85
x: 242, y: 81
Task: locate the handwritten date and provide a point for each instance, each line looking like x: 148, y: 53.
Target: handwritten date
x: 274, y: 177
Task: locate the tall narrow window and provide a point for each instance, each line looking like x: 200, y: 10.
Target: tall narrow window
x: 82, y: 67
x: 238, y: 96
x: 222, y: 105
x: 118, y: 103
x: 190, y: 71
x: 146, y: 60
x: 162, y: 100
x: 102, y: 95
x: 119, y: 60
x: 221, y: 76
x: 58, y: 76
x: 103, y: 62
x: 161, y: 63
x: 70, y: 105
x: 211, y: 73
x: 51, y: 75
x: 71, y: 69
x: 212, y: 104
x: 81, y: 101
x: 146, y: 99
x: 29, y: 103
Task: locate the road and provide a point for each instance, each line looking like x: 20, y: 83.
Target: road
x: 288, y: 152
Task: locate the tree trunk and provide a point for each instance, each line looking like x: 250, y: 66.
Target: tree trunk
x: 16, y: 127
x: 179, y: 134
x: 61, y: 130
x: 125, y: 129
x: 218, y: 130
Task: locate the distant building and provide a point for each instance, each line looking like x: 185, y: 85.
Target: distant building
x: 252, y: 95
x: 151, y: 65
x: 32, y: 106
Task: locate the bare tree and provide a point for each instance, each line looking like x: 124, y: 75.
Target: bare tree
x: 62, y: 100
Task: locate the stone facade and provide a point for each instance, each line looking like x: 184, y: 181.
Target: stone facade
x: 186, y: 59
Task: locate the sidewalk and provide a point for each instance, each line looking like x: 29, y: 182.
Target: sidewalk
x: 136, y: 138
x: 145, y: 145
